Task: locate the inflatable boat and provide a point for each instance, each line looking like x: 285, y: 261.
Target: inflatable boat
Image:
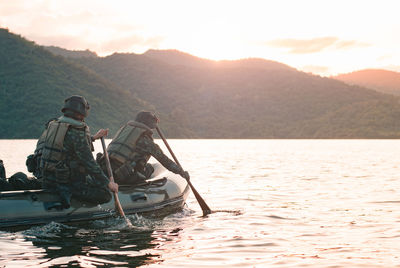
x: 164, y: 193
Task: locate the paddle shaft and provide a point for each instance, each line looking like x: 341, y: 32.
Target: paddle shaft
x: 206, y: 209
x: 111, y: 176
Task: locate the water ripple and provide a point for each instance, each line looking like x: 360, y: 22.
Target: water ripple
x: 302, y: 203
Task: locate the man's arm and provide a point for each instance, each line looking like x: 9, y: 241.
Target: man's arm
x: 101, y: 133
x: 146, y: 145
x: 85, y: 156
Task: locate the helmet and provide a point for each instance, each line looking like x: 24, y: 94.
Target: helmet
x: 77, y: 104
x: 147, y: 118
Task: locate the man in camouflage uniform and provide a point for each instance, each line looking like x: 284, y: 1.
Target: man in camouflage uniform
x: 132, y: 147
x: 67, y: 163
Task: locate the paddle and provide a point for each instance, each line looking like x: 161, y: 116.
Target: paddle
x: 118, y: 206
x: 206, y: 209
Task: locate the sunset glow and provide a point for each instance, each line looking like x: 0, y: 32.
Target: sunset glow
x: 323, y: 37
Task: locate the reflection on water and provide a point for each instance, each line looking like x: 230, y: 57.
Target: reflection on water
x: 102, y: 242
x: 313, y: 203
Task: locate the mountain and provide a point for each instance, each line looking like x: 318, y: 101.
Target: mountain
x: 176, y: 58
x: 250, y: 98
x: 194, y: 97
x: 70, y: 53
x: 34, y: 84
x: 380, y: 80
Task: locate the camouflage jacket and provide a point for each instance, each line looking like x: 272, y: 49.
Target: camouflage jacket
x: 145, y: 146
x: 79, y: 158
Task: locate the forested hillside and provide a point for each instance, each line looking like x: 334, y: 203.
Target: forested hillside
x: 34, y: 84
x: 381, y: 80
x: 250, y: 98
x: 194, y: 97
x: 70, y: 53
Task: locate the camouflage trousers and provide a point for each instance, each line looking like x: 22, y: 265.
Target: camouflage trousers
x: 134, y: 177
x: 127, y: 174
x: 86, y: 191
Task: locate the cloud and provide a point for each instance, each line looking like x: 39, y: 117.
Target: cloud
x: 307, y: 46
x: 129, y: 42
x: 350, y: 44
x: 20, y: 7
x: 64, y: 41
x: 104, y: 47
x: 74, y: 26
x: 298, y: 46
x: 392, y: 67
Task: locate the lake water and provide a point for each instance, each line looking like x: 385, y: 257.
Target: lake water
x: 303, y: 203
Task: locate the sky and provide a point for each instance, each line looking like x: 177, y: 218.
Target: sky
x: 320, y: 36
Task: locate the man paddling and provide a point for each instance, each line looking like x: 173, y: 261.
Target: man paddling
x: 131, y: 148
x: 67, y: 164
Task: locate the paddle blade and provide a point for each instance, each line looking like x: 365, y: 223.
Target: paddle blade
x: 204, y: 207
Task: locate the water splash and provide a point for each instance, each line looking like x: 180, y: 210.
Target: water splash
x: 51, y: 229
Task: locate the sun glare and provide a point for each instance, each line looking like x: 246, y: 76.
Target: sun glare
x: 324, y: 35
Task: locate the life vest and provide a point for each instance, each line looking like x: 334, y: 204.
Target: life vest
x: 53, y: 145
x: 41, y: 141
x: 33, y: 160
x: 122, y: 147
